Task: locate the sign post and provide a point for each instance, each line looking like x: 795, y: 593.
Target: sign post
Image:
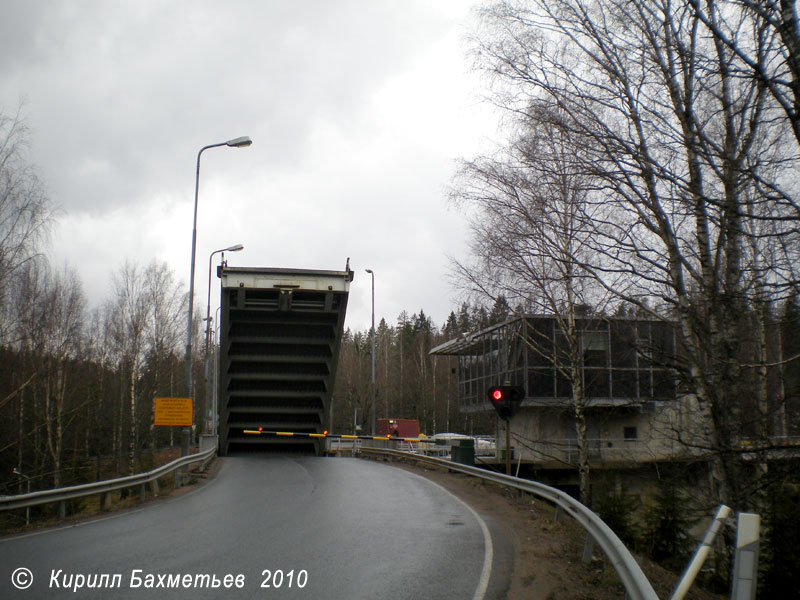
x: 175, y: 412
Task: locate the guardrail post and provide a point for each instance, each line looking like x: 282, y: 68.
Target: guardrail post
x: 588, y: 548
x: 62, y: 510
x: 558, y: 515
x: 154, y: 487
x: 185, y: 443
x: 142, y: 492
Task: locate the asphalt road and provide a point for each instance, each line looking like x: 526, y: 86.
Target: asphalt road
x: 277, y: 527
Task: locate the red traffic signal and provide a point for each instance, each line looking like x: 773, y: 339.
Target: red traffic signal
x: 506, y: 399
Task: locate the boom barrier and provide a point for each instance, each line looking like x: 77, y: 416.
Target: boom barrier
x: 333, y: 436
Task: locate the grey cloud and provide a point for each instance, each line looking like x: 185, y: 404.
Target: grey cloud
x: 121, y: 93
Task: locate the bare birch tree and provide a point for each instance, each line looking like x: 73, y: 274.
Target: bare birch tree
x: 531, y: 226
x: 100, y: 422
x: 691, y: 168
x: 165, y: 299
x: 764, y: 35
x: 63, y: 314
x: 49, y: 329
x: 130, y: 327
x: 25, y: 211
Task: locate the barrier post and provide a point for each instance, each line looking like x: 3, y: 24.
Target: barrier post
x: 700, y: 554
x: 745, y: 562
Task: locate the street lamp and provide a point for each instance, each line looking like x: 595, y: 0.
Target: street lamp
x: 236, y: 248
x: 374, y: 416
x: 239, y: 142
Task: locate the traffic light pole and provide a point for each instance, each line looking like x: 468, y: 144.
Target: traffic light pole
x: 505, y: 399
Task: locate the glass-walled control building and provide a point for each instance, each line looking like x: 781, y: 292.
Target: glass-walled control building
x: 626, y: 367
x: 621, y: 361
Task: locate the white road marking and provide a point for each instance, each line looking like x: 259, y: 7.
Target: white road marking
x: 488, y: 548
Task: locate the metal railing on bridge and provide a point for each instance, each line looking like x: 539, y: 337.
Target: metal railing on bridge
x: 61, y: 495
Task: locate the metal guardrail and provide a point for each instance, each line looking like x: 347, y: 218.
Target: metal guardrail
x: 101, y: 487
x: 633, y: 578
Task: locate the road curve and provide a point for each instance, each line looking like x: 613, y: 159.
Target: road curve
x: 276, y: 527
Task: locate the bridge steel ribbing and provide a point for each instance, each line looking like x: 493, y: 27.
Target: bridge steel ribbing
x: 280, y: 336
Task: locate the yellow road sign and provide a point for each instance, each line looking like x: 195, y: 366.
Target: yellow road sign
x: 176, y: 412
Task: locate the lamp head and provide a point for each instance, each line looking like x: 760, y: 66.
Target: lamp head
x: 235, y: 248
x: 239, y: 142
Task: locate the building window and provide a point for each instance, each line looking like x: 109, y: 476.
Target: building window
x: 631, y: 434
x: 625, y: 384
x: 594, y: 347
x: 595, y: 383
x: 541, y: 383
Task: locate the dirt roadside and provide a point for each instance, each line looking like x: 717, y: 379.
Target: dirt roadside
x: 547, y: 561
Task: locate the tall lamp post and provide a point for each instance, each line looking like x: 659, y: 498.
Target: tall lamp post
x: 240, y: 142
x: 209, y: 414
x: 374, y: 415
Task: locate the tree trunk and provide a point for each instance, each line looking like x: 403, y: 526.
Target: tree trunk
x: 132, y: 441
x: 20, y: 431
x: 581, y: 431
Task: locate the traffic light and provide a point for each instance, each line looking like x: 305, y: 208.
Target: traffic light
x: 506, y: 399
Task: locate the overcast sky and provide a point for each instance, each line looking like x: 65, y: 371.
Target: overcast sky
x: 358, y: 111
